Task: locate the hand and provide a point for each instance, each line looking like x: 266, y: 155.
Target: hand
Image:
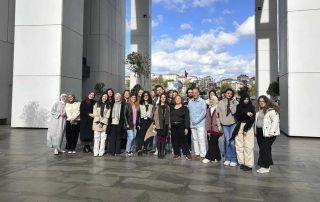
x: 220, y: 128
x: 128, y: 126
x: 249, y: 114
x: 91, y: 115
x: 186, y: 131
x: 193, y: 123
x: 154, y: 126
x: 138, y: 127
x: 208, y: 134
x: 63, y: 114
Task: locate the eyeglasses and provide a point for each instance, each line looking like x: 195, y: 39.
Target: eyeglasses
x: 261, y: 101
x: 146, y: 95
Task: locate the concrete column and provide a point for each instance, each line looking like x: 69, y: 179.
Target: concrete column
x: 266, y: 44
x: 7, y: 8
x: 299, y: 48
x: 141, y: 30
x: 104, y: 43
x: 47, y: 57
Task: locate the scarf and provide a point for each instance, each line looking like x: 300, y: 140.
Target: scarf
x: 102, y: 107
x: 116, y: 110
x: 228, y: 108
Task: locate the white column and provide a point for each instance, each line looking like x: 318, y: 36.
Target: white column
x: 104, y: 43
x: 299, y: 31
x: 47, y: 57
x: 141, y: 12
x: 266, y: 44
x: 6, y: 57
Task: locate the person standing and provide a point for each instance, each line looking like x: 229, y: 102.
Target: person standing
x: 161, y: 124
x: 57, y: 125
x: 146, y: 113
x: 214, y: 131
x: 197, y: 108
x: 126, y: 96
x: 116, y: 123
x: 131, y: 119
x: 244, y: 134
x: 73, y: 123
x: 180, y: 123
x: 86, y: 121
x: 101, y: 114
x: 226, y: 110
x: 186, y: 102
x: 267, y: 129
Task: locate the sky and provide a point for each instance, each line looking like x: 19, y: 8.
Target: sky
x: 204, y: 37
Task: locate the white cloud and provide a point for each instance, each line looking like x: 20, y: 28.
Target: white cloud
x: 203, y: 54
x: 182, y: 5
x: 185, y: 26
x: 215, y: 21
x: 247, y: 28
x: 155, y: 22
x: 227, y: 12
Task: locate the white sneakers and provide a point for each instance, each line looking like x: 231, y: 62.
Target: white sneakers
x: 56, y: 152
x: 226, y: 163
x: 206, y: 161
x: 231, y: 164
x: 263, y: 170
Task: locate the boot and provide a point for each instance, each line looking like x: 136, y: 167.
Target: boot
x: 89, y: 149
x: 162, y: 150
x: 85, y: 149
x: 158, y: 150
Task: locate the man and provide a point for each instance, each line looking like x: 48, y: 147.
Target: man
x: 197, y: 108
x: 189, y: 96
x: 159, y: 91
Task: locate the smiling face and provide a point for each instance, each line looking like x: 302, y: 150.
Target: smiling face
x: 229, y: 94
x: 163, y: 99
x: 178, y: 100
x: 133, y: 98
x: 64, y: 98
x: 246, y: 101
x: 262, y: 103
x: 212, y: 100
x: 117, y: 98
x: 140, y: 92
x: 110, y: 93
x: 70, y: 98
x: 91, y: 96
x: 126, y: 95
x: 104, y: 97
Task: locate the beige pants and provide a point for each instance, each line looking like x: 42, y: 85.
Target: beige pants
x: 244, y: 146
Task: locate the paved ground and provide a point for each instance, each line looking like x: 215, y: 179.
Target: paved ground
x: 29, y: 172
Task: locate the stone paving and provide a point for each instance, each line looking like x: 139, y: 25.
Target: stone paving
x: 30, y: 172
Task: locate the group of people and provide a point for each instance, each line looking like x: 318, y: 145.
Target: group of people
x: 166, y: 122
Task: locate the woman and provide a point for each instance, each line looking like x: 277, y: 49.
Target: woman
x: 101, y: 113
x: 73, y: 123
x: 161, y: 124
x: 57, y: 125
x: 244, y: 135
x: 267, y: 129
x: 214, y: 131
x: 170, y: 100
x: 180, y: 123
x: 115, y: 126
x: 146, y: 109
x: 226, y: 109
x: 126, y: 96
x: 210, y: 94
x: 131, y: 119
x: 140, y: 93
x: 86, y: 121
x: 110, y: 94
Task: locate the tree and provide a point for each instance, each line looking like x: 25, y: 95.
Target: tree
x: 99, y: 89
x: 140, y: 65
x: 252, y: 90
x: 192, y: 85
x: 273, y: 89
x: 165, y: 83
x: 136, y: 89
x: 224, y: 87
x: 243, y: 91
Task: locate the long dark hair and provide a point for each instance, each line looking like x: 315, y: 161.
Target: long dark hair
x: 230, y: 89
x: 110, y: 98
x: 269, y: 104
x: 100, y: 101
x: 215, y: 93
x: 160, y: 98
x: 149, y: 98
x: 87, y: 97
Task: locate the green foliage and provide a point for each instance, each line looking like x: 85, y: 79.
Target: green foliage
x: 136, y: 89
x: 224, y: 87
x: 192, y: 85
x: 99, y: 89
x: 273, y: 89
x: 139, y: 64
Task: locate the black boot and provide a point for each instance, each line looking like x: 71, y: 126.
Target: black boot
x: 85, y: 149
x: 89, y: 149
x: 158, y: 149
x: 162, y: 149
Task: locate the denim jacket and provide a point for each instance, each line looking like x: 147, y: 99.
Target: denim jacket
x: 197, y: 109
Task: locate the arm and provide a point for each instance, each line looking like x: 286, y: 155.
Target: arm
x: 274, y: 122
x: 202, y: 113
x: 77, y: 114
x: 250, y: 120
x: 125, y: 116
x: 233, y: 106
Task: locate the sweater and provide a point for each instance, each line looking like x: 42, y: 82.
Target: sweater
x: 222, y: 112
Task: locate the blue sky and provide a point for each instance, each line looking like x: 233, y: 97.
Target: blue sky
x: 205, y: 37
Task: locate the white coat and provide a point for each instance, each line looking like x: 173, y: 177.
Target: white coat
x: 271, y: 123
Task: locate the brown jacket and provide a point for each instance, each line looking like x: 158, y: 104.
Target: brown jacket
x: 157, y: 115
x: 98, y: 118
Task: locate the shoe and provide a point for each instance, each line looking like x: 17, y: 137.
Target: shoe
x: 156, y: 153
x: 233, y: 164
x: 86, y: 149
x: 95, y: 155
x: 263, y: 170
x: 176, y: 157
x: 100, y: 154
x: 74, y: 152
x: 61, y: 151
x: 206, y: 161
x: 89, y: 149
x: 246, y: 168
x: 189, y: 157
x: 226, y: 163
x: 69, y: 152
x: 56, y: 152
x: 198, y: 157
x: 130, y: 154
x: 216, y: 161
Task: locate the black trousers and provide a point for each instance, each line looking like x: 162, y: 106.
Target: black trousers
x: 214, y: 150
x: 114, y: 140
x: 72, y: 135
x: 144, y: 125
x: 189, y: 139
x: 265, y: 149
x: 179, y: 139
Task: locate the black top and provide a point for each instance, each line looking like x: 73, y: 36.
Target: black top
x: 180, y: 115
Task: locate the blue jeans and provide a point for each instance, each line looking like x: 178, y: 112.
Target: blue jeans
x: 130, y: 139
x: 229, y: 148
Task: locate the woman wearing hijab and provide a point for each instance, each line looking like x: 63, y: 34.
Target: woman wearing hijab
x: 86, y: 121
x: 244, y: 134
x: 57, y: 125
x: 226, y: 109
x: 214, y: 132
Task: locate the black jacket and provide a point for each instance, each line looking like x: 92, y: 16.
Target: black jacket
x: 86, y: 132
x: 128, y: 117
